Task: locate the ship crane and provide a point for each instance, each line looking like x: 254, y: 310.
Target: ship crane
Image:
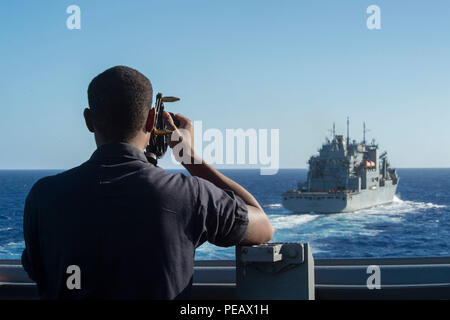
x: 384, y: 167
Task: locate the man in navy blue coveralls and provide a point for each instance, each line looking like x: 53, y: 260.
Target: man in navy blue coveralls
x: 129, y: 226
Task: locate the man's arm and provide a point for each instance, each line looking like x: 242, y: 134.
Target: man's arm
x: 259, y: 229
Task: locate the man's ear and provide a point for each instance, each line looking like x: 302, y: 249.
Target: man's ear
x: 150, y: 120
x: 88, y: 119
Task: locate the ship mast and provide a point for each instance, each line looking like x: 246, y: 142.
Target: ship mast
x: 348, y: 131
x: 332, y: 131
x: 365, y: 130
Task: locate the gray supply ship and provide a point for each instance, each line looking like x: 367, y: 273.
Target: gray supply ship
x: 345, y: 176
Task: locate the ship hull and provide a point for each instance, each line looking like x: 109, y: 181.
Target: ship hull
x: 336, y: 202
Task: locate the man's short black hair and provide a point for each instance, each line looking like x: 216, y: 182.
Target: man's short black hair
x: 120, y: 99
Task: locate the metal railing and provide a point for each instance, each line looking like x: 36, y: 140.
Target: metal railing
x: 400, y: 278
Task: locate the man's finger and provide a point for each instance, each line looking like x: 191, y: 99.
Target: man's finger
x: 176, y: 136
x: 169, y: 121
x: 184, y: 121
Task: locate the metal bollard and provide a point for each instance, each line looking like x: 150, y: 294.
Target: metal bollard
x: 275, y: 271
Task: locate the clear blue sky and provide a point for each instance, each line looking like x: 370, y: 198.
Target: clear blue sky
x: 293, y: 65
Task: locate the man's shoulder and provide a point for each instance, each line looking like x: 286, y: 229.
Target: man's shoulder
x: 51, y: 182
x: 168, y: 181
x: 43, y: 184
x: 39, y: 188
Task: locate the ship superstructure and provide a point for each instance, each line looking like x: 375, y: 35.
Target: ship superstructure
x: 345, y: 176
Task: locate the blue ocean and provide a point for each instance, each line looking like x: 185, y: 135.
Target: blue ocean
x: 417, y: 223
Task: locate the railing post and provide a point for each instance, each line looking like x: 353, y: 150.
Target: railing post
x: 275, y: 271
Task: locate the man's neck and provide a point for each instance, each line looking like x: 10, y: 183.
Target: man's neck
x: 137, y: 142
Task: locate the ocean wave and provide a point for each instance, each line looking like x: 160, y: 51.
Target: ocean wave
x: 399, y: 206
x: 417, y: 204
x: 273, y: 205
x: 291, y: 220
x: 11, y: 250
x: 369, y: 233
x: 12, y: 245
